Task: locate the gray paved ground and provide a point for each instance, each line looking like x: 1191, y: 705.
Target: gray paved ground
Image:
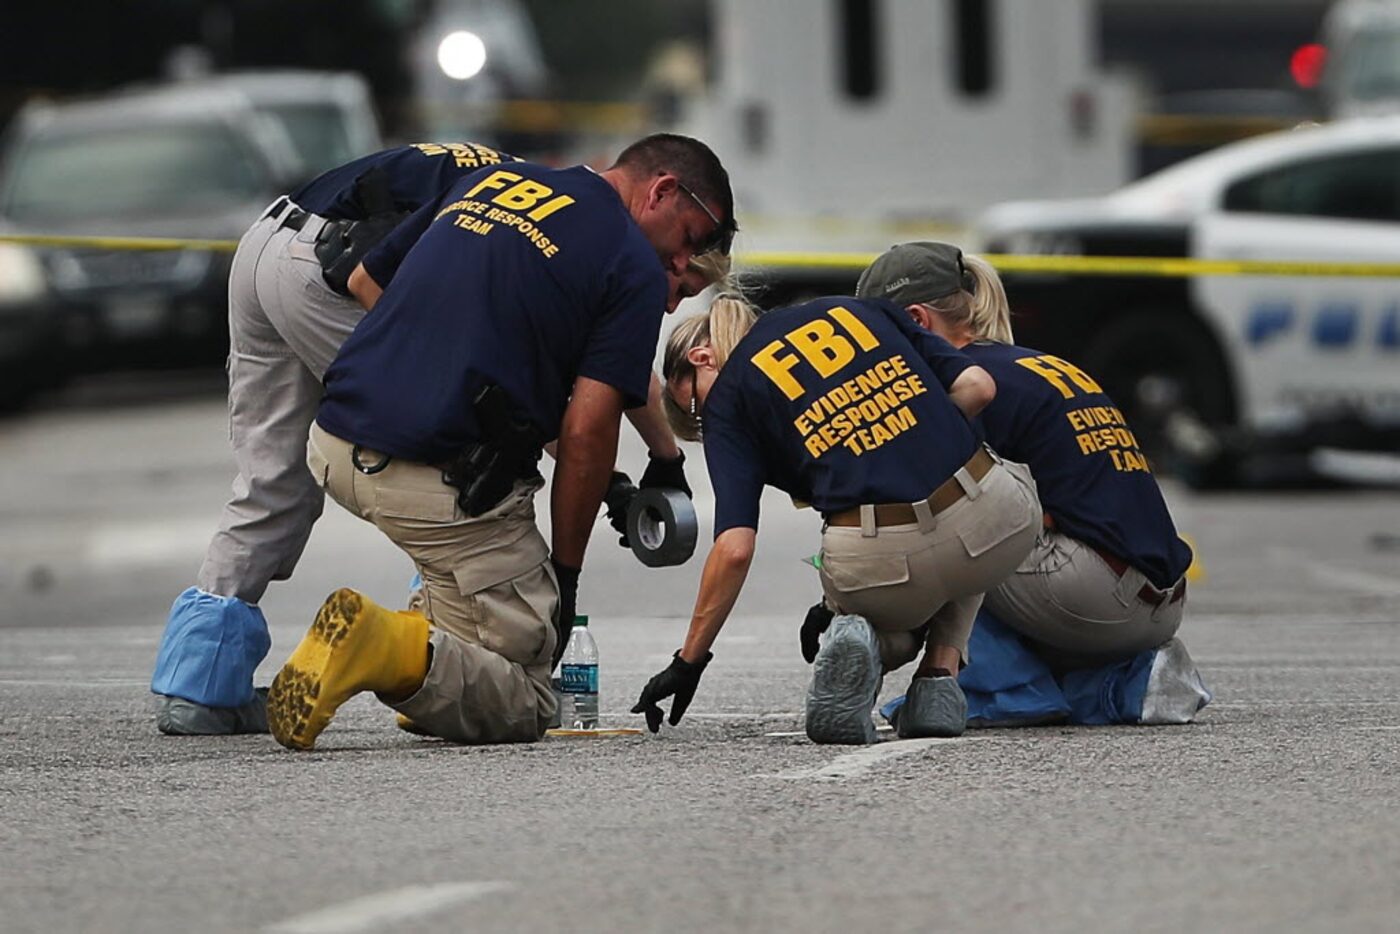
x: 1276, y: 812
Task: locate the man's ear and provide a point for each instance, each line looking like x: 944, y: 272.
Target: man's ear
x: 701, y: 356
x: 662, y: 187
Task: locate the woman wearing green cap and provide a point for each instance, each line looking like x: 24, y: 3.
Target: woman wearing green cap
x: 1106, y: 580
x: 847, y: 405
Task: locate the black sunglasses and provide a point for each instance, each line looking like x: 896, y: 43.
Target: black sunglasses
x: 720, y: 238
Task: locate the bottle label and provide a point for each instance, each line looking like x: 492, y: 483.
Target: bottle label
x: 578, y: 679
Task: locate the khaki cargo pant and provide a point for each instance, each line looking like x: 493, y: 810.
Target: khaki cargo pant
x: 934, y: 571
x: 488, y: 587
x: 285, y: 327
x: 1077, y: 610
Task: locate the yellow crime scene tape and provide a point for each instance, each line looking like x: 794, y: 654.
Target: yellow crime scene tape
x: 855, y: 262
x: 1094, y: 265
x: 146, y: 244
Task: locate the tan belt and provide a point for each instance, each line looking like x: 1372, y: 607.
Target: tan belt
x: 948, y: 493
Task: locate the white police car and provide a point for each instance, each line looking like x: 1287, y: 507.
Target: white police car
x: 1277, y: 362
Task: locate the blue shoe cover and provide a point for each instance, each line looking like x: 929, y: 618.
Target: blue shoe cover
x: 210, y: 649
x: 415, y: 601
x: 1158, y: 686
x: 845, y: 682
x: 1155, y: 686
x: 1006, y: 683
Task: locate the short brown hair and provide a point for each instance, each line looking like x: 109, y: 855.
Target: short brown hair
x: 689, y: 160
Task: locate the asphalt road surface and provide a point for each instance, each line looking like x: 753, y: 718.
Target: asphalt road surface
x: 1277, y: 811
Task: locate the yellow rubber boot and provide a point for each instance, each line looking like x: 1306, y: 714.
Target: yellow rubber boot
x: 408, y: 726
x: 354, y: 645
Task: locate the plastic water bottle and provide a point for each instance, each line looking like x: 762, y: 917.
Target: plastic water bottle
x: 579, y: 679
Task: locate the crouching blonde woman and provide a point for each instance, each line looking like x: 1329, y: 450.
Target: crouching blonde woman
x: 846, y: 404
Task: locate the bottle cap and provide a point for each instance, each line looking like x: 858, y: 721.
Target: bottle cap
x: 581, y: 620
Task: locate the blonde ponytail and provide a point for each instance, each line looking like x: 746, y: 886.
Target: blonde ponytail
x: 990, y: 314
x: 722, y: 327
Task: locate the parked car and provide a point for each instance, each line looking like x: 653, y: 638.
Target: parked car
x: 328, y: 115
x: 1214, y: 366
x: 171, y: 162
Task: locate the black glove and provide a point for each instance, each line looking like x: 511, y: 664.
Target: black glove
x: 667, y: 474
x: 680, y: 679
x: 618, y: 499
x: 568, y: 607
x: 818, y: 618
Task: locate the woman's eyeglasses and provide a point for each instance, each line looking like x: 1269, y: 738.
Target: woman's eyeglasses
x: 695, y: 402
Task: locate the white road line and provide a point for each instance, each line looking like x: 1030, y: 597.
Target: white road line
x: 789, y: 734
x: 376, y: 911
x: 1374, y: 584
x: 791, y: 715
x: 857, y: 763
x: 56, y: 683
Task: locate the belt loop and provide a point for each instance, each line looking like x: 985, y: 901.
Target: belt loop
x: 1129, y: 583
x: 924, y: 513
x: 971, y: 487
x: 867, y: 521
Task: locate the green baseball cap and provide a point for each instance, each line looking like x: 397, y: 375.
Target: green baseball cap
x: 913, y: 273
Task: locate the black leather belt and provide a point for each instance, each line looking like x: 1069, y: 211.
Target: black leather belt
x: 295, y: 219
x: 1147, y: 593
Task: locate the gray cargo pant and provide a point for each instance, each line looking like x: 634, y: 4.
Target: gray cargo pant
x: 933, y: 571
x: 1078, y: 611
x: 489, y: 591
x: 285, y: 327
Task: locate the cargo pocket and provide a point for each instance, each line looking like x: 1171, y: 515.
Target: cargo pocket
x: 993, y: 519
x: 318, y: 465
x: 864, y: 572
x: 415, y: 505
x: 515, y: 597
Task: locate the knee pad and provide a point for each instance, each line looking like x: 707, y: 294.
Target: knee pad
x: 210, y: 649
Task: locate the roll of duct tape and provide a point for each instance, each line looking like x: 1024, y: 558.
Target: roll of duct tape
x: 661, y: 527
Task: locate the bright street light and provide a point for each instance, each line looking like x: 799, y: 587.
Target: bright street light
x: 461, y: 55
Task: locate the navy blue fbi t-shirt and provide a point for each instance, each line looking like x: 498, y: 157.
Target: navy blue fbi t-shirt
x: 525, y: 277
x: 838, y: 402
x: 417, y: 174
x: 1093, y: 481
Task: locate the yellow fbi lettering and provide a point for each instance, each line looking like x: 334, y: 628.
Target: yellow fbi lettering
x: 819, y: 343
x: 1102, y: 428
x: 509, y: 198
x: 863, y: 412
x: 465, y: 155
x: 517, y: 193
x: 1055, y: 371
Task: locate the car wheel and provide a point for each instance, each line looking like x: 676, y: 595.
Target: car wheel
x: 1166, y: 372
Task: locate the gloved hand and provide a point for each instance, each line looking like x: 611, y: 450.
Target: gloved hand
x: 680, y: 679
x: 818, y: 618
x: 618, y: 498
x: 568, y: 607
x: 666, y: 474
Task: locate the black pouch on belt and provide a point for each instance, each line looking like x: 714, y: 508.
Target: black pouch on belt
x: 510, y: 450
x: 341, y: 244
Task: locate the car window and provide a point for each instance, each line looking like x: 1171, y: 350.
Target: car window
x: 318, y: 132
x: 1369, y: 67
x: 131, y: 170
x: 1356, y: 186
